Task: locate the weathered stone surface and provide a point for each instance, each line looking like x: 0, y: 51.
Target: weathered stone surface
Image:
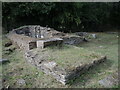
x: 4, y: 60
x: 50, y: 65
x: 59, y: 73
x: 21, y: 82
x: 32, y: 45
x: 33, y: 36
x: 73, y: 40
x: 37, y: 31
x: 85, y: 40
x: 8, y: 44
x: 21, y: 40
x: 110, y: 81
x: 94, y: 36
x: 48, y: 42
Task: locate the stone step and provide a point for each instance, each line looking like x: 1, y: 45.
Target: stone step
x: 49, y: 42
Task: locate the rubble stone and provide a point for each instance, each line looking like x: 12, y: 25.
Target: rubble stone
x: 59, y: 73
x: 8, y: 44
x: 110, y: 81
x: 4, y: 60
x: 33, y: 36
x: 21, y: 82
x: 73, y: 40
x: 48, y: 42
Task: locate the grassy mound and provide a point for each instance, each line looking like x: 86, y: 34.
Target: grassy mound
x: 71, y: 56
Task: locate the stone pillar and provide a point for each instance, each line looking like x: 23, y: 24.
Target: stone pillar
x: 39, y: 32
x: 42, y: 32
x: 35, y: 32
x: 32, y: 30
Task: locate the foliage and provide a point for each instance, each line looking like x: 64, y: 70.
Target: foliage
x: 72, y: 16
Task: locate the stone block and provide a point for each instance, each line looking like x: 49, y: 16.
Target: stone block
x: 110, y: 81
x: 4, y: 60
x: 49, y: 42
x: 73, y: 40
x: 32, y: 45
x: 8, y: 44
x: 61, y: 74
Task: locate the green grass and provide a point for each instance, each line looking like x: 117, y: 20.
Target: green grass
x: 18, y: 67
x: 109, y: 43
x: 69, y: 57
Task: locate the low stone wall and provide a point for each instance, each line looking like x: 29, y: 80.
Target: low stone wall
x: 24, y: 42
x: 27, y: 43
x: 111, y: 80
x: 73, y: 40
x: 48, y: 42
x: 37, y: 31
x: 33, y: 36
x: 59, y: 73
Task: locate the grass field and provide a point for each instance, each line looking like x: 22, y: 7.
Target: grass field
x: 18, y: 68
x: 68, y: 56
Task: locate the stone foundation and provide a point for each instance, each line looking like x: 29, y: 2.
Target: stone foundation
x: 49, y: 42
x: 34, y: 36
x: 73, y: 40
x: 24, y: 42
x: 59, y: 73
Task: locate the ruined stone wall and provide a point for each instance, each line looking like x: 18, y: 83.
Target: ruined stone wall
x: 26, y: 37
x: 24, y: 42
x: 36, y: 31
x: 29, y: 37
x: 60, y: 74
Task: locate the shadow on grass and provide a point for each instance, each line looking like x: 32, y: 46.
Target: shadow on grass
x: 90, y: 74
x: 60, y: 47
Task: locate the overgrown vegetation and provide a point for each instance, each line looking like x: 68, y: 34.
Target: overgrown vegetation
x: 68, y: 17
x: 18, y: 68
x: 69, y: 57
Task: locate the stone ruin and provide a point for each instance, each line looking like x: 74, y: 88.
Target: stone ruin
x: 111, y: 80
x: 36, y: 37
x: 33, y: 36
x: 61, y: 74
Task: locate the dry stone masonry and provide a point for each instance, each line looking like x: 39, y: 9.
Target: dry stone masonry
x: 61, y: 74
x: 36, y: 37
x: 110, y: 81
x: 33, y: 36
x: 48, y: 42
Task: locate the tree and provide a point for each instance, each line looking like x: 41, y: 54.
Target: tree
x: 72, y: 16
